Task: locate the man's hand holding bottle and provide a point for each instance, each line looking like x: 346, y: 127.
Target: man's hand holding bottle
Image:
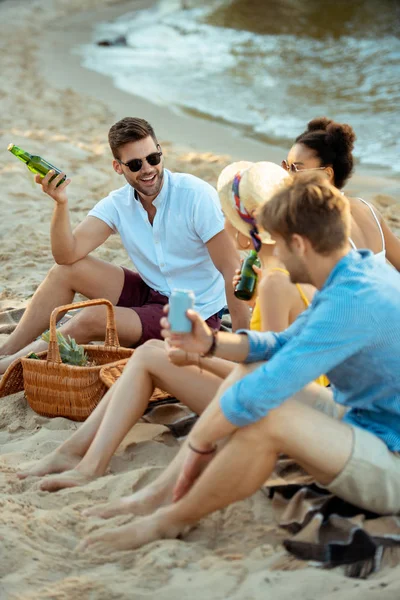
x: 49, y: 185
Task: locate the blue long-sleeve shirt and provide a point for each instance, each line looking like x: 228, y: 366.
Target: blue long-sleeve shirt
x: 351, y: 332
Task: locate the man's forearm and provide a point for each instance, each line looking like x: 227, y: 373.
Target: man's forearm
x: 232, y: 346
x: 62, y: 239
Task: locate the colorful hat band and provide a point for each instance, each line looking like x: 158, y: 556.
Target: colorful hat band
x: 244, y: 215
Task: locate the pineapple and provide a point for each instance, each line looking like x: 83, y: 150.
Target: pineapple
x: 70, y: 352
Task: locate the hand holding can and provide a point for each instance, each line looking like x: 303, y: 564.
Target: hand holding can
x: 180, y: 301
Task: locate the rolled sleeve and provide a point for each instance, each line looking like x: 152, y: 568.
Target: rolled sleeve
x: 334, y: 332
x: 233, y: 410
x: 262, y: 346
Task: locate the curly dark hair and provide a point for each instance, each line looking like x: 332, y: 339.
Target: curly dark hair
x: 333, y: 143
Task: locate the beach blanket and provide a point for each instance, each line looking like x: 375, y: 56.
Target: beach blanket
x: 9, y: 319
x: 327, y: 530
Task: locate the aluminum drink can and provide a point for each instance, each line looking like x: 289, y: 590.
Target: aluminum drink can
x: 179, y: 302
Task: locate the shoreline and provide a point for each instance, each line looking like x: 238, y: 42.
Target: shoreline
x: 176, y: 126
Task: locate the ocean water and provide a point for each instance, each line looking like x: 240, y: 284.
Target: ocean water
x: 267, y: 67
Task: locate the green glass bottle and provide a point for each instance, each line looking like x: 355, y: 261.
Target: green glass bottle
x: 248, y: 278
x: 36, y: 164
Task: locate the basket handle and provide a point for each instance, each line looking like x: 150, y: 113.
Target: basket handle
x: 111, y: 338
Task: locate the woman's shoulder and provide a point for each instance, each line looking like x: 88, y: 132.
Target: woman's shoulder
x: 276, y: 280
x: 365, y: 206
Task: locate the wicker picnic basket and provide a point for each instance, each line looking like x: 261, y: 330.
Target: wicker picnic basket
x: 56, y: 389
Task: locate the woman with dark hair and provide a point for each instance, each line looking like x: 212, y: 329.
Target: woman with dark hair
x: 328, y: 146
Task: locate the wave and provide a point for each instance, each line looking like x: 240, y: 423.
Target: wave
x: 263, y: 74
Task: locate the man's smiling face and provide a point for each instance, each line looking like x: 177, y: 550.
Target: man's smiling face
x: 149, y: 179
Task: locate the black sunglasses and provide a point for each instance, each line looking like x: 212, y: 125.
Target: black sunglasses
x: 136, y: 164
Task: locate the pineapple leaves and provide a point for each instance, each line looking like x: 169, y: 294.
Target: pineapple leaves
x: 71, y: 353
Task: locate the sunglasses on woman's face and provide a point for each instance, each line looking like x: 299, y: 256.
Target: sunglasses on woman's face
x: 293, y: 168
x: 136, y: 164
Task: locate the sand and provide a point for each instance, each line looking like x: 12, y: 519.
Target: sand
x: 51, y: 106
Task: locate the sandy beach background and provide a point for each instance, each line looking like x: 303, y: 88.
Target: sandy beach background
x: 53, y: 107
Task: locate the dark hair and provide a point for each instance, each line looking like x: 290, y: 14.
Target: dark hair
x: 308, y: 205
x: 129, y: 129
x: 333, y: 143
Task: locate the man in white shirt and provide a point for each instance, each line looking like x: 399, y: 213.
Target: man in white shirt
x: 172, y: 227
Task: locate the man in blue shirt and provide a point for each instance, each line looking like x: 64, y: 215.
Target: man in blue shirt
x: 351, y: 332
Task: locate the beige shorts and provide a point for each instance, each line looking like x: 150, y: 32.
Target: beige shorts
x: 371, y: 476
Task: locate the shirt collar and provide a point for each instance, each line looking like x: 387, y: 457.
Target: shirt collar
x: 162, y: 194
x: 351, y: 257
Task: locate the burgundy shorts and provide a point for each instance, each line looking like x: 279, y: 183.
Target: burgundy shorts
x: 148, y: 304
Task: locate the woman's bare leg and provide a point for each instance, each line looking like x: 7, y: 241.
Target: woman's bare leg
x: 148, y: 368
x: 160, y: 491
x: 71, y: 452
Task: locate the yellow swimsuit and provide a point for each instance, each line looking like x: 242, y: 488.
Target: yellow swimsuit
x: 255, y: 323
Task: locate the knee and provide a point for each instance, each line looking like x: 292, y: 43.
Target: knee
x: 276, y: 422
x: 271, y: 429
x: 67, y: 272
x: 241, y: 371
x: 87, y: 325
x: 151, y: 344
x: 59, y: 272
x: 146, y: 351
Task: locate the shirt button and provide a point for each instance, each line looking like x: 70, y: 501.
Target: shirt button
x: 162, y: 265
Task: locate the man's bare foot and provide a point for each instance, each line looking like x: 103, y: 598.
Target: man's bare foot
x: 134, y: 535
x: 140, y: 503
x: 67, y: 479
x: 56, y: 462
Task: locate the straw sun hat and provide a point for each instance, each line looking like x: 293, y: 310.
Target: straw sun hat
x: 243, y: 187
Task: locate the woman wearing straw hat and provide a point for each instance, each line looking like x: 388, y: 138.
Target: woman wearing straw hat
x: 243, y: 187
x: 194, y: 380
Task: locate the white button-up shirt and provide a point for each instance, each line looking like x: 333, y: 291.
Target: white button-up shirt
x: 171, y: 253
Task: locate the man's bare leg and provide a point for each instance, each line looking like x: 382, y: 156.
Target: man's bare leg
x: 319, y: 443
x: 148, y: 368
x: 89, y: 325
x: 90, y: 276
x: 160, y: 491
